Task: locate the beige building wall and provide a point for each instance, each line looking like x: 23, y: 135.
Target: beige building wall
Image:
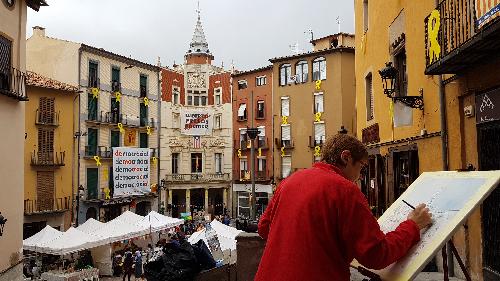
x: 12, y: 27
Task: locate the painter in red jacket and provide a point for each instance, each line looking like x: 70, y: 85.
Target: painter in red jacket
x: 319, y: 221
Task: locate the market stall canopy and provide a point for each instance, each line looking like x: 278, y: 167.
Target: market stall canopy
x: 91, y: 226
x: 47, y: 234
x: 129, y: 217
x: 118, y: 230
x: 73, y: 240
x: 156, y: 222
x: 225, y: 234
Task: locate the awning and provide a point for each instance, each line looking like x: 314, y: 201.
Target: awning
x: 267, y: 188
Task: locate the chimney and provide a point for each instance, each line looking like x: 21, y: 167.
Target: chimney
x: 38, y: 31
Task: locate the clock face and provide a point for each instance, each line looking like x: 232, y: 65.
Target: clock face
x: 9, y: 3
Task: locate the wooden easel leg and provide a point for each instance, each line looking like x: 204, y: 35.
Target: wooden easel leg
x: 460, y: 262
x: 445, y: 264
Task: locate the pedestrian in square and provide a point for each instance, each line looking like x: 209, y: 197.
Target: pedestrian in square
x: 128, y: 262
x: 342, y: 227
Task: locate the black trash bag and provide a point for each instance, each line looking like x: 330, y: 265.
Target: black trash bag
x: 178, y: 263
x: 203, y: 255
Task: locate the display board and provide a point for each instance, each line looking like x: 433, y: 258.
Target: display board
x: 131, y: 171
x: 451, y: 197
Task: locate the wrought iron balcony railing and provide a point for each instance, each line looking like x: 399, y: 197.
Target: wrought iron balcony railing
x: 90, y: 151
x: 245, y: 175
x: 314, y: 142
x: 48, y: 158
x: 116, y: 86
x: 13, y: 83
x: 47, y: 205
x: 47, y: 118
x: 197, y: 177
x: 94, y: 82
x: 105, y: 152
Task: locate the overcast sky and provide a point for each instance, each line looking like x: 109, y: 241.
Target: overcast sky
x: 248, y: 32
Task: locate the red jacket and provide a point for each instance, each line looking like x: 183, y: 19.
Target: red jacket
x: 318, y: 222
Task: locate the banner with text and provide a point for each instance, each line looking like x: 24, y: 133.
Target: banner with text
x: 196, y: 122
x: 131, y: 171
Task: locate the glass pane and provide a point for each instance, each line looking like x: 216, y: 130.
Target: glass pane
x: 115, y: 74
x: 92, y: 174
x: 115, y: 138
x: 143, y: 140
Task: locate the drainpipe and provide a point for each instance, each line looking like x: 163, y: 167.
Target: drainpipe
x: 79, y: 136
x: 158, y: 137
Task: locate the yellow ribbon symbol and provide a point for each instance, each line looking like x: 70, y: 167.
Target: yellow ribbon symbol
x: 153, y: 160
x: 105, y: 174
x: 97, y: 160
x: 260, y: 151
x: 284, y: 120
x: 146, y: 101
x: 239, y: 153
x: 118, y: 96
x: 283, y: 152
x: 120, y: 126
x: 318, y: 84
x: 434, y: 47
x: 317, y: 151
x: 95, y: 93
x: 317, y: 117
x: 148, y: 130
x: 106, y: 193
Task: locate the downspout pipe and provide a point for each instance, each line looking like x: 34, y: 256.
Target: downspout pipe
x: 159, y: 139
x: 78, y: 136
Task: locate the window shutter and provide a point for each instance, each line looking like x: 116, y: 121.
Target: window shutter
x: 319, y: 132
x: 322, y: 69
x: 285, y: 132
x: 318, y: 103
x: 92, y: 183
x: 286, y: 166
x: 285, y: 107
x: 45, y: 190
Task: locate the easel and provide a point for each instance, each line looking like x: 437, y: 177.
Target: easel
x: 460, y: 262
x: 372, y: 276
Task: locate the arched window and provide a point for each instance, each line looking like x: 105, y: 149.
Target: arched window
x: 285, y: 74
x: 301, y: 71
x: 319, y: 69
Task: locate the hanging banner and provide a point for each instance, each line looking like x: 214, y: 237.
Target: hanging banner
x: 486, y: 11
x: 196, y: 122
x: 131, y: 168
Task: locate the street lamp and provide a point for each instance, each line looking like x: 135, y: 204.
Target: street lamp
x: 389, y: 75
x: 2, y: 223
x: 252, y: 134
x: 79, y: 193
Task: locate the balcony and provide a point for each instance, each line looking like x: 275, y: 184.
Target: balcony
x: 314, y: 142
x: 144, y: 122
x: 287, y: 144
x: 465, y: 37
x: 13, y: 83
x: 262, y: 143
x: 94, y: 82
x: 46, y: 205
x: 90, y: 151
x: 261, y: 176
x: 105, y: 152
x: 197, y: 178
x: 116, y: 87
x: 153, y: 152
x: 46, y: 118
x: 245, y: 175
x: 143, y: 91
x: 48, y: 159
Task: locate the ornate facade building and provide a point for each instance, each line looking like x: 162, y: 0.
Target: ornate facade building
x: 196, y: 131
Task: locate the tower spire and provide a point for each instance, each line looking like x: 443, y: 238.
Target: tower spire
x: 199, y: 46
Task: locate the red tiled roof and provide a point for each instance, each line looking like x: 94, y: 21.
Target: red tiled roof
x: 37, y: 80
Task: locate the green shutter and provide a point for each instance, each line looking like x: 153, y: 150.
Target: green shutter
x: 111, y: 182
x: 143, y: 140
x: 92, y: 141
x: 143, y: 115
x: 115, y: 138
x: 92, y: 107
x: 92, y: 183
x: 143, y: 81
x: 115, y: 74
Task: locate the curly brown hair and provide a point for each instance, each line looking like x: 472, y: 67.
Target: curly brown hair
x: 333, y: 147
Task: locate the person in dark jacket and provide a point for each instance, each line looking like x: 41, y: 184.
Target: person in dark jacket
x: 128, y: 261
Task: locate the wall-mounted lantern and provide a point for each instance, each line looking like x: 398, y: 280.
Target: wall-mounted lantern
x: 389, y: 75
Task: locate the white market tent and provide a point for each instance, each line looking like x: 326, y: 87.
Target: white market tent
x: 72, y: 240
x: 155, y: 222
x: 129, y: 217
x: 118, y: 230
x: 45, y: 235
x: 90, y: 226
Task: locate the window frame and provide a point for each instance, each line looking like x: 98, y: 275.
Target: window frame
x: 369, y: 97
x: 218, y: 95
x: 285, y: 73
x: 175, y: 163
x: 242, y: 84
x: 141, y: 76
x: 218, y: 163
x: 195, y: 98
x: 258, y: 116
x: 318, y: 63
x: 200, y: 170
x: 303, y: 76
x: 260, y: 80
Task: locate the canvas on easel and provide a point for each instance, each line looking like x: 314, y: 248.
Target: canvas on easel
x: 451, y: 197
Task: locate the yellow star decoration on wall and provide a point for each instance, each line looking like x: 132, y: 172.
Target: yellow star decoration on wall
x: 120, y: 126
x: 146, y: 101
x: 118, y: 96
x: 318, y: 84
x: 97, y: 160
x: 148, y: 130
x: 239, y: 153
x: 317, y: 117
x: 95, y: 93
x: 317, y: 151
x: 107, y: 193
x: 283, y: 152
x: 284, y: 120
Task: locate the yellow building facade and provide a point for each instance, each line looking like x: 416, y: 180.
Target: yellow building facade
x: 48, y: 154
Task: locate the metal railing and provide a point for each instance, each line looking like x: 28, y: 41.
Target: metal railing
x: 314, y: 142
x: 262, y: 143
x: 94, y: 82
x: 48, y: 158
x: 457, y: 26
x: 261, y: 175
x: 197, y: 177
x: 116, y: 86
x: 47, y: 118
x: 13, y: 83
x: 105, y: 152
x: 90, y: 151
x: 46, y: 205
x: 245, y: 175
